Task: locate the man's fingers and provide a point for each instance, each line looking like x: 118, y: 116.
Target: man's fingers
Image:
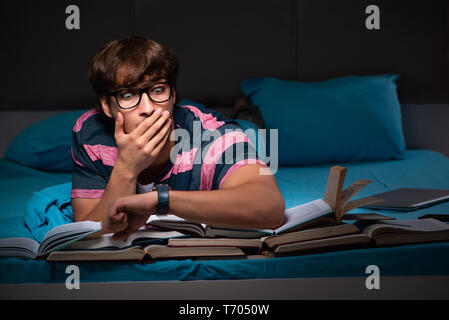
x: 123, y: 235
x: 119, y: 218
x: 156, y: 127
x: 158, y: 142
x: 155, y: 140
x: 119, y: 130
x: 147, y: 123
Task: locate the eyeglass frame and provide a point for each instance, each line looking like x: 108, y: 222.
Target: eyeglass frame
x: 141, y: 90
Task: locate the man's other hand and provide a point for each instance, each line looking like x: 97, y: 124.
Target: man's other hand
x: 127, y: 214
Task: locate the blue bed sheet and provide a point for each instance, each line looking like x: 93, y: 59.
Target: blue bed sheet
x: 425, y: 169
x: 17, y: 184
x: 419, y: 169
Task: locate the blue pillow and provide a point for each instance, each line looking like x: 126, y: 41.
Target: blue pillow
x: 46, y: 144
x: 348, y: 119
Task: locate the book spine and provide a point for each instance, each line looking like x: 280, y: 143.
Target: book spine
x: 268, y: 254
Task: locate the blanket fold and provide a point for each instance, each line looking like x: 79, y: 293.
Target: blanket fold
x: 48, y: 208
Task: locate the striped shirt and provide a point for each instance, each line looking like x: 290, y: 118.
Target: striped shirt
x: 209, y: 149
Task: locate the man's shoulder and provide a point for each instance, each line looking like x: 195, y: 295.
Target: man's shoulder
x: 92, y: 127
x: 187, y: 114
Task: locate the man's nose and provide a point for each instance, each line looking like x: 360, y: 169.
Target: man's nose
x: 145, y: 106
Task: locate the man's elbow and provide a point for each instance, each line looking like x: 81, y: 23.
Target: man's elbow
x: 83, y: 208
x: 273, y: 212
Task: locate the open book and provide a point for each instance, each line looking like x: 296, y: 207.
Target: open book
x: 107, y: 248
x: 321, y: 212
x: 55, y: 239
x: 149, y: 252
x: 250, y: 246
x: 363, y: 233
x: 399, y: 232
x: 153, y: 244
x: 372, y: 233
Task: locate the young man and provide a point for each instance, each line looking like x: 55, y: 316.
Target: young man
x: 126, y: 167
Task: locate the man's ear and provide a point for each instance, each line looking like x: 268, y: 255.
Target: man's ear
x: 174, y: 95
x: 106, y: 108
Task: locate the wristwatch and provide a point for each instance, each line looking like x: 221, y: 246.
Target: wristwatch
x: 162, y: 198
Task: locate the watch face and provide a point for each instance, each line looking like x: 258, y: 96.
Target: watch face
x: 160, y: 185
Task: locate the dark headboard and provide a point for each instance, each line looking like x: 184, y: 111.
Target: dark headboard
x: 221, y: 43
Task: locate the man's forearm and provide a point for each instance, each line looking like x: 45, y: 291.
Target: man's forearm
x: 121, y: 183
x: 251, y: 205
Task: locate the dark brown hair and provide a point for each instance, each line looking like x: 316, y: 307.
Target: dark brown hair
x: 128, y: 61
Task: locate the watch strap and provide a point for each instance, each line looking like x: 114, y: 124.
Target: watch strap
x: 162, y: 198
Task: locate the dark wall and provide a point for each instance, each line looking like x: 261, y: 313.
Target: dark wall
x: 45, y: 64
x: 412, y: 41
x: 222, y: 43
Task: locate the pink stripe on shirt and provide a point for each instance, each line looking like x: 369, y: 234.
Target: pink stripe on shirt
x: 183, y: 163
x: 214, y: 153
x: 208, y: 121
x: 75, y: 159
x: 79, y: 122
x: 87, y: 193
x: 107, y: 155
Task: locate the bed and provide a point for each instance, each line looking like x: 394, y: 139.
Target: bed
x: 342, y: 273
x: 303, y: 48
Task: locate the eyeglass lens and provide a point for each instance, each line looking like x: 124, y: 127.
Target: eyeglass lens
x: 130, y: 98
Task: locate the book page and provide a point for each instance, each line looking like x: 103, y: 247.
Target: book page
x: 18, y: 247
x: 420, y: 225
x: 63, y: 235
x: 351, y: 191
x: 126, y: 254
x: 74, y: 227
x: 158, y: 251
x: 167, y: 217
x: 211, y: 242
x: 323, y: 243
x: 171, y: 218
x: 310, y: 234
x: 334, y: 186
x: 358, y: 203
x: 106, y: 240
x: 303, y: 213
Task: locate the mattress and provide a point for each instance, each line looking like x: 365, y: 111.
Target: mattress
x: 420, y: 168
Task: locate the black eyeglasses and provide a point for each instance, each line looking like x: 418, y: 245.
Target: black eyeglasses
x: 129, y: 98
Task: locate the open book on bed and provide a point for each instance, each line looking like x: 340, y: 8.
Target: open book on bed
x: 74, y: 236
x: 327, y: 211
x: 104, y: 247
x: 363, y: 233
x: 55, y: 239
x: 149, y: 252
x: 320, y: 212
x: 373, y: 233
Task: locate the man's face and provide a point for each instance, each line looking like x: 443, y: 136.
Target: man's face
x: 152, y: 95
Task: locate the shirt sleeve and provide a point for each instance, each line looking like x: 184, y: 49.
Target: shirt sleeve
x: 228, y: 150
x: 88, y: 180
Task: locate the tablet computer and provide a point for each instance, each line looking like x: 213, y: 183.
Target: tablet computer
x: 408, y: 199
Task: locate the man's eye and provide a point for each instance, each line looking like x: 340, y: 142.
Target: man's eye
x: 158, y: 90
x: 126, y: 95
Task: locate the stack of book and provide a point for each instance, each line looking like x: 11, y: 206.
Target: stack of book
x: 317, y: 226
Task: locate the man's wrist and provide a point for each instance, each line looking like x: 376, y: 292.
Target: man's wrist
x: 124, y: 172
x: 162, y: 198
